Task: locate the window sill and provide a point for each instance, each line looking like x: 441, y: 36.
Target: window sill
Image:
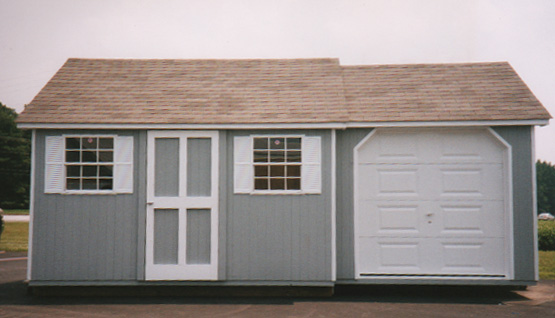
x: 89, y: 192
x: 278, y: 192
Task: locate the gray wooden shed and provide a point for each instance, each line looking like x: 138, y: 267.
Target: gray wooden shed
x: 296, y: 172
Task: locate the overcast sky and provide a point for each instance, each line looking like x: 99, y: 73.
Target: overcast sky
x: 36, y: 37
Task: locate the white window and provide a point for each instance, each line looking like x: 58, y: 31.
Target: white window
x: 277, y: 164
x: 89, y: 164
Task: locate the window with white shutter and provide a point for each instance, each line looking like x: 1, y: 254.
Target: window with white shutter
x: 283, y: 164
x: 89, y: 164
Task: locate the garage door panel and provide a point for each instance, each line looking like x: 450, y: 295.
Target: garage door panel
x: 466, y: 181
x: 468, y: 256
x: 431, y: 182
x: 390, y: 218
x: 383, y: 182
x: 471, y: 219
x: 430, y: 257
x: 468, y: 146
x: 390, y: 256
x: 397, y: 148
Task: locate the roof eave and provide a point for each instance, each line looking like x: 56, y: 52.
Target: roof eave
x: 331, y: 125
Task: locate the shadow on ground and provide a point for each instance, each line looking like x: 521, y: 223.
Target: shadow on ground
x: 18, y: 293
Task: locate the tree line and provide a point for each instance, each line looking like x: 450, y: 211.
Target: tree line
x: 15, y: 158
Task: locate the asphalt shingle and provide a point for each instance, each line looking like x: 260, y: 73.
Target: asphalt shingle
x: 126, y: 91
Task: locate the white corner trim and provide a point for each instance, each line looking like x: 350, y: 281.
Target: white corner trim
x: 31, y: 204
x: 508, y: 174
x: 535, y: 204
x: 334, y: 125
x: 333, y: 207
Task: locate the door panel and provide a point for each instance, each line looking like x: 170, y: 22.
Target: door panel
x: 182, y: 205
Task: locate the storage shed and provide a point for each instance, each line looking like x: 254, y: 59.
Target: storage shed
x: 296, y: 172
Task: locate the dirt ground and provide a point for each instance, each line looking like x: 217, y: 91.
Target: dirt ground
x: 537, y: 301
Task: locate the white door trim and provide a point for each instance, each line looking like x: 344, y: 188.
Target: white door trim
x: 182, y: 271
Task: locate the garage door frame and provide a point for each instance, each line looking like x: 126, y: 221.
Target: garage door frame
x: 508, y: 207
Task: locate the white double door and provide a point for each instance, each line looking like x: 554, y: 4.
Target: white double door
x: 182, y: 205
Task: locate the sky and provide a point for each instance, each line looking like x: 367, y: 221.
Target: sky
x: 37, y: 37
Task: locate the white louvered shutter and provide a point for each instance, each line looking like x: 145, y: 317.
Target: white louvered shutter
x: 242, y: 165
x: 311, y: 171
x: 54, y: 164
x: 123, y: 164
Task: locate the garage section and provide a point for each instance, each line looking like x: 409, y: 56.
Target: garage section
x: 432, y: 203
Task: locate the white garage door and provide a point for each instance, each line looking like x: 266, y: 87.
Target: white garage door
x: 432, y: 203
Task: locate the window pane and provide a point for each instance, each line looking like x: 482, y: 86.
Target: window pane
x: 260, y: 143
x: 90, y: 171
x: 105, y: 184
x: 89, y: 156
x: 261, y: 156
x: 277, y: 143
x: 105, y: 156
x: 277, y: 156
x: 73, y: 171
x: 277, y: 171
x: 106, y: 171
x: 72, y: 156
x: 260, y: 171
x: 89, y: 143
x: 294, y: 143
x: 89, y: 184
x: 106, y: 143
x: 73, y: 143
x: 293, y: 156
x: 261, y: 184
x: 72, y: 184
x: 277, y: 184
x: 293, y: 184
x: 293, y: 171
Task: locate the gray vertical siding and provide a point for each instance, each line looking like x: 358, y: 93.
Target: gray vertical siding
x: 85, y: 237
x: 346, y: 141
x: 198, y: 166
x: 519, y: 137
x: 523, y: 204
x: 198, y: 236
x: 166, y: 233
x: 261, y: 237
x: 278, y: 237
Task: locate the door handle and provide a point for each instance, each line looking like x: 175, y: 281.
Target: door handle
x: 429, y: 214
x: 150, y: 203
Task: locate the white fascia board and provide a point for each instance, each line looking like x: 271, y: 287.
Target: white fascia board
x: 338, y: 125
x: 185, y: 126
x: 533, y: 122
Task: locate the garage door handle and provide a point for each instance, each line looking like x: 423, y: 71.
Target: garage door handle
x: 429, y: 214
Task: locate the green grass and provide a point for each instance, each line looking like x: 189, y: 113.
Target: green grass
x: 547, y: 264
x: 15, y: 212
x: 15, y: 236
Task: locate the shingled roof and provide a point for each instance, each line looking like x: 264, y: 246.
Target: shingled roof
x: 439, y: 92
x: 125, y: 91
